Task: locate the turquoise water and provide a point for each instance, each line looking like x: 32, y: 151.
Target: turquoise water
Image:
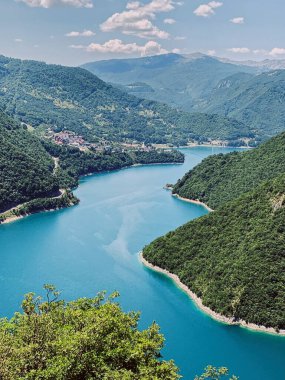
x: 94, y: 246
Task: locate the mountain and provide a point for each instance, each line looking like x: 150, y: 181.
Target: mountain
x: 265, y: 65
x: 222, y: 178
x: 249, y: 92
x: 177, y: 80
x: 233, y: 258
x: 36, y: 174
x: 66, y: 98
x: 26, y: 168
x: 257, y: 101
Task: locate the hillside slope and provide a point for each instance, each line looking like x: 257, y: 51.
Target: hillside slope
x: 74, y: 99
x: 175, y: 79
x: 221, y: 178
x: 26, y: 168
x: 233, y: 258
x: 257, y: 101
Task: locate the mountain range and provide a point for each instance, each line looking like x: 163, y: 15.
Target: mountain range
x: 251, y: 93
x: 65, y: 98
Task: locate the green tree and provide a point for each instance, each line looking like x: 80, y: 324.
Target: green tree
x: 213, y: 373
x: 90, y: 338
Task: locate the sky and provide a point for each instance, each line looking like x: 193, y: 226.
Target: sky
x: 73, y: 32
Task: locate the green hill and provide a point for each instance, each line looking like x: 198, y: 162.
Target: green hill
x: 175, y: 79
x: 74, y: 99
x: 26, y: 168
x: 33, y: 170
x: 233, y: 258
x: 222, y: 178
x: 257, y: 101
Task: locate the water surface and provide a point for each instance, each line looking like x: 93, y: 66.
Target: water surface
x: 94, y: 246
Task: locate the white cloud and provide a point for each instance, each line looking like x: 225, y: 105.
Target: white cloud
x: 85, y: 33
x: 237, y: 20
x: 19, y: 40
x: 207, y: 10
x: 241, y: 50
x: 138, y: 18
x: 260, y: 51
x: 277, y: 51
x: 50, y: 3
x: 169, y: 21
x: 117, y: 46
x: 211, y: 52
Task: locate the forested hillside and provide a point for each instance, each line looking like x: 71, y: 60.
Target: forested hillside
x: 66, y: 98
x: 34, y: 170
x: 178, y: 80
x: 74, y: 163
x: 26, y: 168
x: 257, y: 101
x: 199, y: 83
x: 233, y: 258
x: 221, y: 178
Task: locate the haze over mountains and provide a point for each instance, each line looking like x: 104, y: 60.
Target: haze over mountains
x: 66, y: 98
x: 174, y: 79
x: 200, y: 83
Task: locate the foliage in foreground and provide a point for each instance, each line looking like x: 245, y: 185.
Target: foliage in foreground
x: 91, y: 338
x: 213, y: 373
x: 233, y: 258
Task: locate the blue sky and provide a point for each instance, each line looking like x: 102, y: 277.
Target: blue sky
x: 72, y: 32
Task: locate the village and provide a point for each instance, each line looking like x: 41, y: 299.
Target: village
x: 70, y: 138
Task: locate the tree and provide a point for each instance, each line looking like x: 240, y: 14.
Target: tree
x: 90, y: 338
x: 213, y: 373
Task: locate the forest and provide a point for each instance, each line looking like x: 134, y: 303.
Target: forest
x: 222, y: 178
x: 234, y: 257
x: 28, y: 174
x: 65, y: 98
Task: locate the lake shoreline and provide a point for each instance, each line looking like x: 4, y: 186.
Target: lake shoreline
x: 198, y: 302
x: 10, y: 217
x: 14, y: 218
x: 193, y: 201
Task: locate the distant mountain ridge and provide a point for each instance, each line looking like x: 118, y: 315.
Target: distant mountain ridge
x: 258, y: 101
x: 252, y: 94
x: 74, y: 99
x: 175, y: 79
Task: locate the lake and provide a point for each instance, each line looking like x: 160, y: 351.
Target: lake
x: 94, y: 246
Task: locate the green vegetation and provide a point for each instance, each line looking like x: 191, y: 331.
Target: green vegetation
x: 213, y: 373
x: 157, y: 157
x: 91, y: 338
x: 64, y: 200
x: 233, y: 258
x: 174, y: 79
x: 75, y: 163
x: 26, y: 168
x: 66, y: 98
x: 30, y: 180
x: 222, y: 178
x: 199, y: 83
x: 258, y: 101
